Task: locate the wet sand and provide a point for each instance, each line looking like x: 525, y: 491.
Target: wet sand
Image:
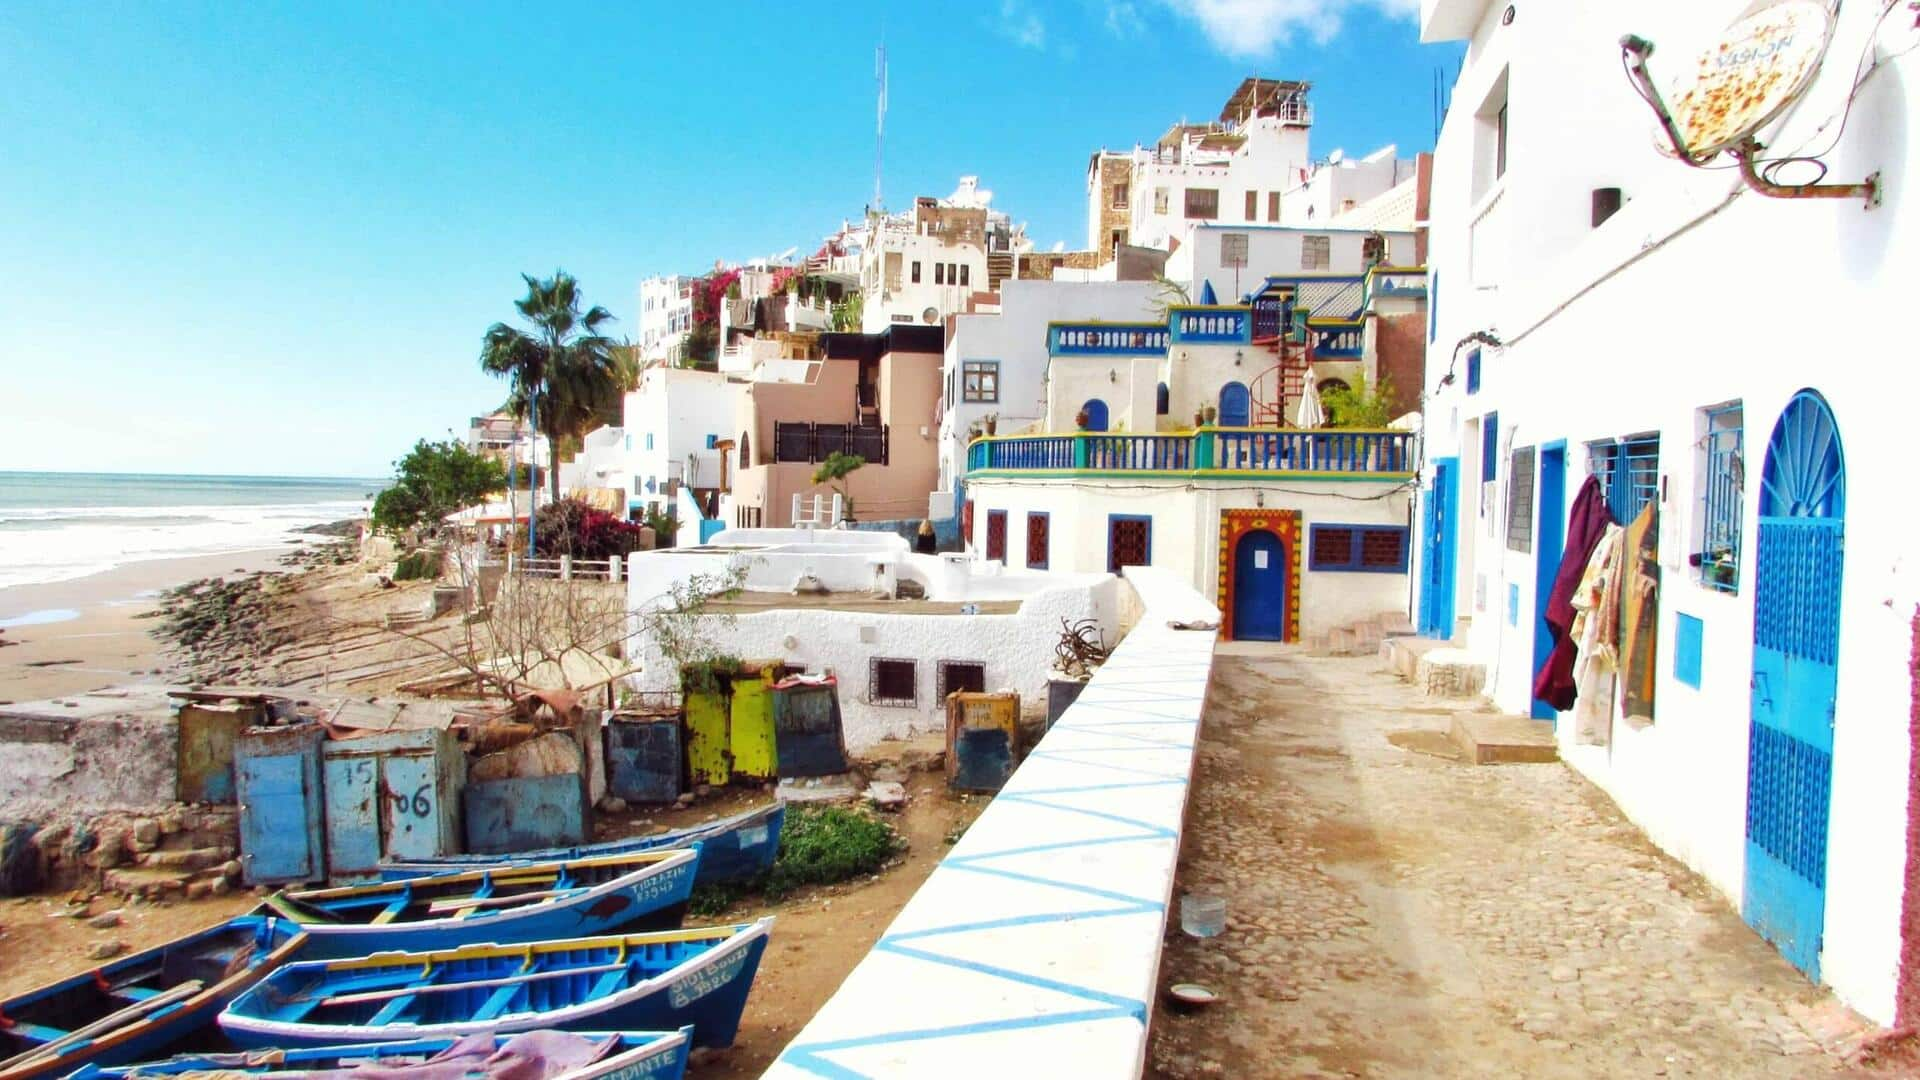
x: 104, y: 642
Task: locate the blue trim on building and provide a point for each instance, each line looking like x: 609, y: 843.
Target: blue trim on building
x: 1687, y: 633
x: 1355, y: 562
x: 1112, y: 519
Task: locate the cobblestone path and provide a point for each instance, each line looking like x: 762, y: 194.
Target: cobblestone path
x: 1395, y: 913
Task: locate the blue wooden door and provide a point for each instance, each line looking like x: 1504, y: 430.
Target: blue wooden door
x: 1437, y: 571
x: 1096, y: 411
x: 277, y: 812
x: 413, y: 811
x: 1235, y: 405
x: 1796, y: 645
x: 352, y: 786
x: 1549, y: 545
x: 1259, y: 588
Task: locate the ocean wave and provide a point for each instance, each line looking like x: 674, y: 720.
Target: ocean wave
x: 48, y: 544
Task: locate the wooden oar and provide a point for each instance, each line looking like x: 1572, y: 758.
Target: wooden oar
x: 441, y: 988
x: 439, y: 906
x: 112, y: 1020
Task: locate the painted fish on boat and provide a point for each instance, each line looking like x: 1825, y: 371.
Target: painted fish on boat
x: 546, y: 1055
x: 631, y: 982
x: 140, y: 1005
x: 501, y: 904
x: 731, y: 849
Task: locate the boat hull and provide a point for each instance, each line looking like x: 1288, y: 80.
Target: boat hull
x: 163, y: 1028
x: 656, y: 1055
x: 731, y: 850
x: 707, y: 992
x: 652, y: 899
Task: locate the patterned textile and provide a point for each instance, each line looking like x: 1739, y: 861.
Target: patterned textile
x: 1640, y: 616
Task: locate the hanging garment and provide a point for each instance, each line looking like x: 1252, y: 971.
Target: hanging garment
x: 1596, y: 632
x: 1639, y: 617
x: 1586, y: 523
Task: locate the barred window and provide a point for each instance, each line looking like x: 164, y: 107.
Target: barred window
x: 1367, y: 549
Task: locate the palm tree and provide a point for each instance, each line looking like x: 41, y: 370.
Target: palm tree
x: 563, y: 371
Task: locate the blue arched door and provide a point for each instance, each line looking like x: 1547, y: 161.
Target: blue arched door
x: 1096, y: 411
x: 1796, y: 650
x: 1259, y: 588
x: 1235, y: 405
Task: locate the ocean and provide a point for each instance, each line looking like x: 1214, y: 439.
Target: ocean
x: 59, y: 526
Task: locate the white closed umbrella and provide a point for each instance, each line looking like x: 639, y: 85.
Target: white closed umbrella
x: 1309, y: 414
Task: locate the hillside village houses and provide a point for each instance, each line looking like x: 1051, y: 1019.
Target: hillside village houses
x: 1586, y: 328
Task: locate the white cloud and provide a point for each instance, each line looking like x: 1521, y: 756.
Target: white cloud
x: 1021, y: 25
x: 1124, y: 19
x: 1252, y: 28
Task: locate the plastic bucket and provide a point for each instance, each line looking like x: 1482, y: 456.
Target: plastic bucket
x: 1203, y: 916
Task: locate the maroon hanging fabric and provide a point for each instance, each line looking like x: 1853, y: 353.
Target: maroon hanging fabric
x: 1587, y: 522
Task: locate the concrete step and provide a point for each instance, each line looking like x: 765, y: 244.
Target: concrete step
x: 1395, y: 624
x: 1493, y: 739
x: 1449, y: 672
x: 1403, y: 653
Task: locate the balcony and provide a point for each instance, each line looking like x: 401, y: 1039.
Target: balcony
x: 1384, y: 455
x: 1212, y: 326
x: 1338, y: 341
x: 1107, y: 339
x: 813, y: 443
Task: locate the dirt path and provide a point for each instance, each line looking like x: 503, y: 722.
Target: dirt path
x: 1394, y: 913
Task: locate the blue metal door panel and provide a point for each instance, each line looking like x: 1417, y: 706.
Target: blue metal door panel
x: 1096, y: 411
x: 413, y: 809
x: 1235, y: 405
x: 277, y: 812
x: 1549, y: 546
x: 526, y: 813
x: 1259, y: 588
x: 352, y: 785
x: 1796, y: 649
x: 643, y: 760
x: 1437, y: 578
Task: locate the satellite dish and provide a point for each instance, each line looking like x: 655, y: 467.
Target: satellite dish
x: 1760, y: 66
x: 930, y: 316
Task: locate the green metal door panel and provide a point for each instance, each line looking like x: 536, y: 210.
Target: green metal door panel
x: 751, y: 740
x: 707, y: 749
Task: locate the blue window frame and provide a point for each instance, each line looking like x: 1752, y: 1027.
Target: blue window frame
x: 1359, y: 549
x: 713, y: 442
x: 1687, y: 633
x: 1489, y: 448
x: 1473, y: 372
x: 1720, y: 497
x: 649, y: 440
x: 1129, y: 541
x: 1629, y: 473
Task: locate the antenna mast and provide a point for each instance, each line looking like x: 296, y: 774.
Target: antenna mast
x: 880, y: 120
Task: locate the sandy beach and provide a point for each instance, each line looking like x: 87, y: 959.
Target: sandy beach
x: 105, y: 643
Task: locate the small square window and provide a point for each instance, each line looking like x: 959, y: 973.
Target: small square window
x: 713, y: 442
x: 1369, y: 549
x: 939, y: 273
x: 980, y: 381
x: 1120, y: 195
x: 1203, y: 204
x: 893, y: 682
x: 957, y: 676
x: 916, y: 271
x: 1233, y: 250
x: 1159, y: 200
x: 1316, y: 252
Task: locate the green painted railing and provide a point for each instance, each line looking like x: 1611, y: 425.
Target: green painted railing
x: 1216, y: 450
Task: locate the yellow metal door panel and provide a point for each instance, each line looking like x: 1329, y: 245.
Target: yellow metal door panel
x: 755, y: 755
x: 707, y: 750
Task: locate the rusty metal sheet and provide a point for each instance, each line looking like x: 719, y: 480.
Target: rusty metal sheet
x: 1758, y: 67
x: 206, y: 734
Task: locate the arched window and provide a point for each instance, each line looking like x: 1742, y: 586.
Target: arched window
x: 1096, y: 412
x: 1160, y: 400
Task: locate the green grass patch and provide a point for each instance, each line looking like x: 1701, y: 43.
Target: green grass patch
x: 819, y: 845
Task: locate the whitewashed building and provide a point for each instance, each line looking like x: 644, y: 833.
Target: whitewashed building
x: 666, y: 316
x: 996, y: 362
x: 675, y: 423
x: 1171, y: 444
x: 918, y: 266
x: 1708, y: 349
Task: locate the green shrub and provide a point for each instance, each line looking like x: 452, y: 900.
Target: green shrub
x: 417, y: 566
x: 822, y: 845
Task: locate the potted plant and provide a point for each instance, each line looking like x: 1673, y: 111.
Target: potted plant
x: 1209, y: 412
x: 990, y: 422
x: 1199, y: 417
x: 1080, y: 419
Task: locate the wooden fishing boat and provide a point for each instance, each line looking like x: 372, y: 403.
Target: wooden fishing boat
x: 635, y: 982
x: 140, y: 1005
x: 551, y: 1055
x: 502, y: 904
x: 732, y: 849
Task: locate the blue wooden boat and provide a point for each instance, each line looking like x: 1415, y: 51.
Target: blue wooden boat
x: 140, y: 1005
x: 636, y: 982
x: 503, y: 904
x: 552, y: 1055
x: 732, y: 849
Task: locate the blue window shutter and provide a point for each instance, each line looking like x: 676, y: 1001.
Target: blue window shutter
x: 1687, y: 634
x: 1473, y: 372
x: 1489, y: 447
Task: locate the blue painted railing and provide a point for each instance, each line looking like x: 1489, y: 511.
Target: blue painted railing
x: 1277, y: 450
x: 1106, y: 339
x: 1338, y: 342
x: 1212, y: 326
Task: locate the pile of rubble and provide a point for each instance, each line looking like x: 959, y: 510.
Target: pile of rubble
x: 185, y: 850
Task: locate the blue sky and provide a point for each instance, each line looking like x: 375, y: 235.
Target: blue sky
x: 252, y: 238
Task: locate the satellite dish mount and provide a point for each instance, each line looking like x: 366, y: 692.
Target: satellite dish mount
x: 1761, y: 65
